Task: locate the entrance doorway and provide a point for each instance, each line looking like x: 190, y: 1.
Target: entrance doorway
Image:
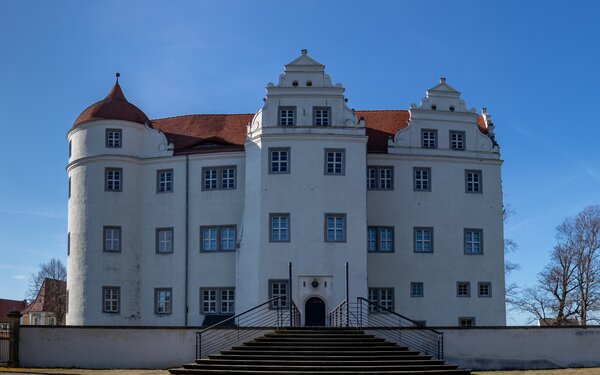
x: 314, y: 312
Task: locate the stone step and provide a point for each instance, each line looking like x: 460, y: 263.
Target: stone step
x: 318, y: 353
x: 332, y: 358
x: 282, y: 337
x: 183, y: 371
x: 325, y: 362
x: 286, y: 366
x: 319, y: 343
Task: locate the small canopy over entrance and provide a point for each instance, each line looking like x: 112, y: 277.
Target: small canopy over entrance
x: 314, y: 312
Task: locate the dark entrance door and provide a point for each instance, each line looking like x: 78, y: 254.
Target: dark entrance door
x: 314, y: 312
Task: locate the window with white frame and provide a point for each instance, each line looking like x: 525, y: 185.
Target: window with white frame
x: 428, y: 138
x: 113, y: 179
x: 485, y: 289
x: 163, y: 302
x: 473, y: 241
x: 278, y: 289
x: 113, y: 138
x: 111, y: 296
x: 417, y: 289
x: 423, y: 239
x: 112, y: 239
x: 218, y: 238
x: 457, y: 140
x: 279, y: 160
x: 466, y: 321
x: 473, y: 181
x: 381, y: 177
x: 335, y: 227
x: 164, y: 240
x: 280, y: 227
x: 219, y: 178
x: 335, y: 161
x: 380, y: 239
x: 217, y: 300
x: 463, y: 289
x: 287, y: 116
x: 164, y: 181
x: 321, y: 116
x: 383, y: 297
x: 422, y: 179
x: 227, y: 301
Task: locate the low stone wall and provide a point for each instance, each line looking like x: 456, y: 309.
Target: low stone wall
x: 132, y: 347
x: 504, y: 348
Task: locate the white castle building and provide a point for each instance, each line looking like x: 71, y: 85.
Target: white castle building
x: 172, y: 220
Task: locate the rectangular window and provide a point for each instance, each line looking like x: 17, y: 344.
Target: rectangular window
x: 227, y: 301
x: 164, y: 181
x: 113, y: 138
x: 466, y: 322
x: 69, y: 243
x: 164, y: 240
x: 70, y: 148
x: 113, y: 179
x: 280, y: 227
x: 383, y: 297
x: 380, y: 239
x: 287, y: 116
x: 111, y: 296
x: 428, y: 138
x: 457, y: 140
x: 485, y: 289
x: 334, y: 162
x: 112, y: 239
x: 217, y: 178
x: 422, y: 179
x: 322, y: 116
x: 416, y: 289
x: 217, y: 300
x: 228, y: 178
x: 218, y: 238
x: 163, y: 303
x: 279, y: 160
x: 423, y: 240
x: 278, y: 288
x: 473, y: 241
x: 473, y: 181
x: 69, y: 187
x: 209, y: 301
x: 463, y: 289
x: 380, y: 178
x: 335, y: 227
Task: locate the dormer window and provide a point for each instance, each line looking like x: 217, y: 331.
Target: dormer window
x: 113, y: 138
x: 429, y: 138
x: 287, y: 116
x: 322, y: 116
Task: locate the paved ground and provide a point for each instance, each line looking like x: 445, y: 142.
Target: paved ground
x: 38, y: 371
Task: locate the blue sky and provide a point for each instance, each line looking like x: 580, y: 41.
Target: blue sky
x: 532, y: 64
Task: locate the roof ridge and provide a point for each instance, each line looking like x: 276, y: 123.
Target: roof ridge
x: 204, y: 114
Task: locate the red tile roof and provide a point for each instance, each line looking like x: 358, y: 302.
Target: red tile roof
x: 41, y: 303
x: 114, y: 107
x: 227, y: 132
x: 8, y: 305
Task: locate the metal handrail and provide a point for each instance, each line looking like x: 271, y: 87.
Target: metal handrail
x: 246, y: 325
x: 389, y: 324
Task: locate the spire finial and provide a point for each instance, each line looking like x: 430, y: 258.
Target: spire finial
x: 118, y: 75
x: 304, y: 52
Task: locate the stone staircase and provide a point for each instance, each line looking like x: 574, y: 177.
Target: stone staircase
x: 319, y: 351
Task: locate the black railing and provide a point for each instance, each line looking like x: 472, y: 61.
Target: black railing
x: 388, y: 324
x: 4, y: 344
x: 272, y: 314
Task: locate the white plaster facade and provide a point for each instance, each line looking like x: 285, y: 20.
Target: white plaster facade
x: 306, y: 194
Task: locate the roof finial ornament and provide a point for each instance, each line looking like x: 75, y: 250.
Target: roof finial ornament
x: 304, y: 52
x: 442, y: 79
x: 118, y: 75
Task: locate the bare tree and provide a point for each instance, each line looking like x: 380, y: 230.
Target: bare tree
x: 558, y: 280
x: 535, y: 302
x: 55, y: 292
x: 581, y: 235
x: 511, y: 292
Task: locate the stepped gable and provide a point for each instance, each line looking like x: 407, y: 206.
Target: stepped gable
x: 113, y: 107
x: 204, y: 133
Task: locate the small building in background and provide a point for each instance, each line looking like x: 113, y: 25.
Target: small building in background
x: 6, y: 306
x: 49, y: 307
